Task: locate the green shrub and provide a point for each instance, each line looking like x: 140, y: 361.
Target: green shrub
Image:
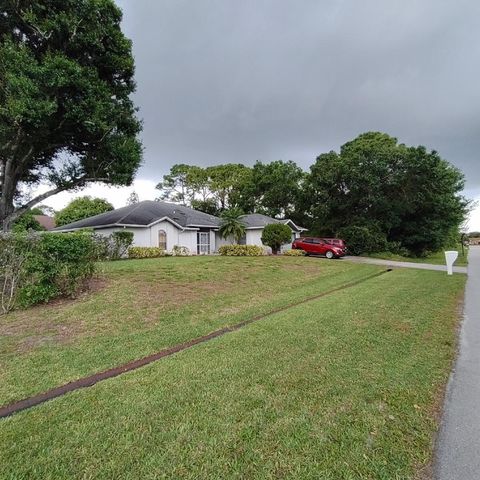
x: 397, y: 249
x: 14, y: 251
x: 102, y: 246
x: 146, y: 252
x: 179, y: 251
x: 114, y: 246
x: 241, y: 250
x: 121, y: 241
x: 60, y: 265
x: 363, y: 239
x: 39, y: 267
x: 275, y: 235
x: 294, y: 253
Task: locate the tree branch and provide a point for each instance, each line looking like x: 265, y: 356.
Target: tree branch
x: 39, y: 198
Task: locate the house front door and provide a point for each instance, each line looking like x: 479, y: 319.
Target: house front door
x: 203, y: 239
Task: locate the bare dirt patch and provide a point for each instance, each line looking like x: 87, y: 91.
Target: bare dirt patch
x: 45, y: 329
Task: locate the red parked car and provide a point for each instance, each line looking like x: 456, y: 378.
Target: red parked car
x: 330, y: 247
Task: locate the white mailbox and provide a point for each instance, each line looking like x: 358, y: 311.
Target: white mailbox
x: 450, y: 257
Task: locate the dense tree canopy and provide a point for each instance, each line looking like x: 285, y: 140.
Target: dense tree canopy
x: 212, y: 189
x: 80, y: 208
x: 272, y: 189
x: 226, y: 184
x: 66, y: 117
x: 178, y: 186
x: 375, y: 192
x: 408, y: 194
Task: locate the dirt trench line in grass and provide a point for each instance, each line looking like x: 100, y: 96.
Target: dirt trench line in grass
x: 91, y: 380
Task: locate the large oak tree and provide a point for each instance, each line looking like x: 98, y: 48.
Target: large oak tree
x: 273, y: 189
x: 409, y: 195
x: 66, y: 116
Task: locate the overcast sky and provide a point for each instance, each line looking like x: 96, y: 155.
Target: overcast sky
x: 235, y: 81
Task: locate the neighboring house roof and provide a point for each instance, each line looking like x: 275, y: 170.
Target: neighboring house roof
x: 146, y: 213
x: 149, y: 212
x: 48, y: 223
x: 257, y: 220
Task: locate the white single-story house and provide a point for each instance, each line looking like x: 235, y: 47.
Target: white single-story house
x: 164, y: 225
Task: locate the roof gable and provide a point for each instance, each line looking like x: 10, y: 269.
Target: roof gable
x: 258, y: 220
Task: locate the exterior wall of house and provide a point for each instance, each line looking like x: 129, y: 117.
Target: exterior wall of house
x: 171, y: 231
x: 213, y: 241
x: 188, y: 238
x: 254, y: 237
x: 219, y: 241
x: 148, y: 237
x: 175, y: 236
x: 141, y: 237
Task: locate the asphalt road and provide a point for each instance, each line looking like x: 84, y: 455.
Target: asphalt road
x: 457, y: 454
x: 393, y: 263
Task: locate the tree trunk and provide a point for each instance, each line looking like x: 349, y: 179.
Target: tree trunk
x: 10, y: 175
x: 7, y: 193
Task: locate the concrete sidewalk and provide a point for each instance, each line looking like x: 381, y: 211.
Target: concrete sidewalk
x: 393, y: 263
x: 457, y: 454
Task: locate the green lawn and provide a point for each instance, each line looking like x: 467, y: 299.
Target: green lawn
x: 437, y: 258
x: 343, y: 387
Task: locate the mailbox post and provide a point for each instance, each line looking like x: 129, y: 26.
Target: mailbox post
x: 450, y: 257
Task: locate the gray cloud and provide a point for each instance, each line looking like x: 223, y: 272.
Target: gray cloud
x: 229, y: 81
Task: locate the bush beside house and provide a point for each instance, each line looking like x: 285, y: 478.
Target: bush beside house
x: 156, y: 252
x: 114, y: 246
x: 241, y: 250
x: 275, y: 235
x: 146, y: 252
x: 294, y: 253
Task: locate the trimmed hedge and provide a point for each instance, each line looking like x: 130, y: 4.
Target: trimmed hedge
x: 35, y: 268
x: 241, y: 250
x: 60, y: 266
x: 294, y: 253
x: 146, y: 252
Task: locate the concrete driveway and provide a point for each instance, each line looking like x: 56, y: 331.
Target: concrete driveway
x: 458, y: 445
x: 393, y: 263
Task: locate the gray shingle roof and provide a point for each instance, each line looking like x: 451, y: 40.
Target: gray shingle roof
x: 257, y: 220
x: 149, y: 211
x: 144, y: 213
